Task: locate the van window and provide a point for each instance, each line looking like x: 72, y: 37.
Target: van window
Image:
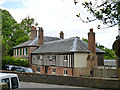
x: 6, y: 80
x: 14, y: 82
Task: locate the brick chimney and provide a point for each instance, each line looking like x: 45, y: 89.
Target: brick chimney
x: 33, y: 33
x: 40, y: 36
x: 91, y: 41
x: 61, y: 35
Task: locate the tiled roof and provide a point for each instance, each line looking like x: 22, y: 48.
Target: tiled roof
x: 34, y: 42
x: 64, y: 46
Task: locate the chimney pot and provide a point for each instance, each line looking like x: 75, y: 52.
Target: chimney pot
x: 33, y: 33
x: 61, y: 35
x: 91, y: 30
x: 33, y: 28
x: 91, y: 41
x: 40, y: 36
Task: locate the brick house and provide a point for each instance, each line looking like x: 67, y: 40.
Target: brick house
x: 23, y: 50
x: 68, y: 57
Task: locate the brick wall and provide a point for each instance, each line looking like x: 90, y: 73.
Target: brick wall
x: 30, y: 49
x: 58, y: 70
x: 91, y: 41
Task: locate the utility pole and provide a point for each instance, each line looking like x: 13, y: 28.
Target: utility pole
x: 118, y: 69
x: 116, y: 44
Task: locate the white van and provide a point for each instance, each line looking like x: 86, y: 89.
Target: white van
x: 11, y: 79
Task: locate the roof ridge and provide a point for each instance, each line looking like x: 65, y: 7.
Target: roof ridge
x: 57, y: 41
x: 52, y: 37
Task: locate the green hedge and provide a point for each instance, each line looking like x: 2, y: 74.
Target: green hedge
x: 10, y: 60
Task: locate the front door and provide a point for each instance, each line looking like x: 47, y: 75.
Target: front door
x: 46, y: 69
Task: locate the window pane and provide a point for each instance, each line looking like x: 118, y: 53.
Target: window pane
x: 20, y: 51
x: 6, y: 80
x: 53, y: 57
x: 54, y: 70
x: 17, y: 51
x: 65, y: 71
x: 26, y: 51
x: 38, y: 56
x: 65, y: 57
x: 14, y: 82
x: 23, y: 51
x: 38, y: 69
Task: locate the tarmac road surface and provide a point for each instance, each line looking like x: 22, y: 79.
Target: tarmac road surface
x: 29, y: 85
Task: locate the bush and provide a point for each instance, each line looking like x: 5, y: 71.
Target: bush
x: 10, y: 60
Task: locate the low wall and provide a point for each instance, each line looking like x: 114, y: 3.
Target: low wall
x: 102, y: 83
x: 104, y: 73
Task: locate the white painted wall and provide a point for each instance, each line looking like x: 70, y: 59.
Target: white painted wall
x: 80, y: 60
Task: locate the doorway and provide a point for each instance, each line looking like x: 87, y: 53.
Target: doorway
x: 46, y: 69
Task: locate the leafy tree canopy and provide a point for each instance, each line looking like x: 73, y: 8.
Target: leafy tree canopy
x: 108, y: 11
x: 14, y: 33
x: 109, y: 54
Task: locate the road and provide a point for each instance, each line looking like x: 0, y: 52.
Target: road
x: 40, y: 85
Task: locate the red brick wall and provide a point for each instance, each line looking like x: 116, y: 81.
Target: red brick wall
x: 33, y: 33
x: 30, y: 49
x: 40, y: 37
x: 33, y: 67
x: 59, y: 70
x: 91, y: 41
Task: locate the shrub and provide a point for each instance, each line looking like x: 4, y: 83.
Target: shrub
x: 10, y: 60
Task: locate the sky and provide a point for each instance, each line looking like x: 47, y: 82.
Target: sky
x: 60, y: 15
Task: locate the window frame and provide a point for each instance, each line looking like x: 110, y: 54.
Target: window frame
x: 12, y: 79
x: 41, y: 57
x: 8, y: 83
x: 65, y: 57
x: 38, y: 56
x: 20, y: 51
x: 65, y: 72
x: 25, y: 51
x: 16, y: 52
x: 53, y: 70
x: 53, y: 57
x: 38, y: 69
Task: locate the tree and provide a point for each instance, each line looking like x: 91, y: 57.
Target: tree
x: 14, y: 33
x: 109, y: 54
x: 7, y: 32
x: 108, y: 12
x: 27, y: 23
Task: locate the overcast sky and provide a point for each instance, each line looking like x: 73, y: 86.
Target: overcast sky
x: 59, y: 15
